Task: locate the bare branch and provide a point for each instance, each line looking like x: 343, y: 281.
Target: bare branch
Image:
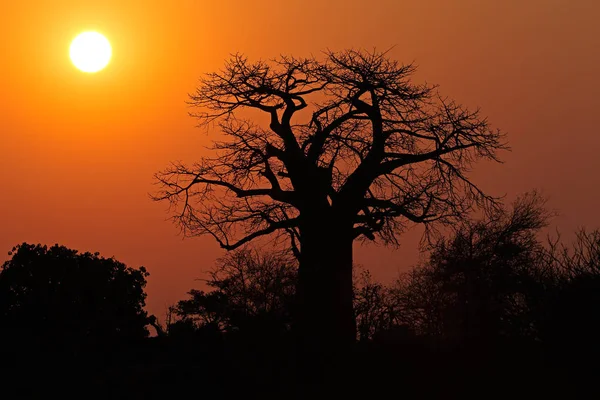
x: 348, y: 136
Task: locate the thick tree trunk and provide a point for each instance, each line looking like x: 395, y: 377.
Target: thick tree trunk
x: 326, y: 316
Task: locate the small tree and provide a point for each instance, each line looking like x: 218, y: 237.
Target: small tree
x: 349, y: 149
x: 61, y: 296
x: 250, y: 290
x: 376, y: 307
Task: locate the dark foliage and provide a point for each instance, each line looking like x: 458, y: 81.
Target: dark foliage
x: 57, y: 295
x: 253, y: 291
x: 249, y: 291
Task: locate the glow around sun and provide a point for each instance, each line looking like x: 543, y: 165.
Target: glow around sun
x: 90, y: 52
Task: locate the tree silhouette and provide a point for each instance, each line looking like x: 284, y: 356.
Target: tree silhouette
x: 484, y: 281
x: 59, y: 296
x: 349, y: 149
x: 376, y: 307
x: 251, y: 291
x: 568, y: 317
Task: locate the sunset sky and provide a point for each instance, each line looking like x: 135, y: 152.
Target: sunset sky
x: 78, y: 151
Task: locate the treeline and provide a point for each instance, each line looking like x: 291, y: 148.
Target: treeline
x: 495, y: 309
x: 493, y: 279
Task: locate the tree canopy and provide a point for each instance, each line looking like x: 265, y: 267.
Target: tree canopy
x: 58, y: 294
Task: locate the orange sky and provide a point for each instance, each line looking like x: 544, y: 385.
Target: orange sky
x: 78, y: 151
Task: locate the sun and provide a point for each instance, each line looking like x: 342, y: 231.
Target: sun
x: 90, y: 52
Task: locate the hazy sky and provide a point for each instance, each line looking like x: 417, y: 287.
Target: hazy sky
x: 78, y: 151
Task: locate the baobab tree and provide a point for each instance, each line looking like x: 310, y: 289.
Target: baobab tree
x: 323, y: 152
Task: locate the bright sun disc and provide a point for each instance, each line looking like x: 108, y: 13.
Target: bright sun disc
x: 90, y: 51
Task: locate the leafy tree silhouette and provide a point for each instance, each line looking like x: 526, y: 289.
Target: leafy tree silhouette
x: 251, y: 291
x: 58, y: 297
x: 351, y: 149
